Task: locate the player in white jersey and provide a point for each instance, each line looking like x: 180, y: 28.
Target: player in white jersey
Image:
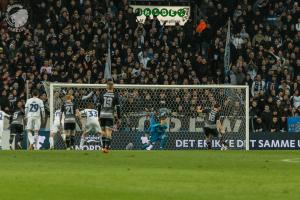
x: 92, y: 122
x: 34, y: 108
x: 56, y: 127
x: 2, y: 116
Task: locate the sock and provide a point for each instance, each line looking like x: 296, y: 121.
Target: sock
x: 30, y: 137
x: 19, y: 141
x: 163, y: 142
x: 103, y: 142
x: 108, y: 142
x: 11, y: 138
x: 63, y: 137
x: 72, y: 141
x: 36, y: 141
x: 209, y: 145
x: 51, y: 141
x: 68, y: 140
x: 81, y: 141
x: 222, y: 141
x: 150, y: 147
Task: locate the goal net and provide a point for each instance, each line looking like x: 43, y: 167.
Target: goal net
x: 182, y: 103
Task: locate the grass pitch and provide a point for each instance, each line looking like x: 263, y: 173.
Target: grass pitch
x: 143, y: 175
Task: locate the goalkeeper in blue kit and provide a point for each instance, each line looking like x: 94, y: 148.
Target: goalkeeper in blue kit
x: 158, y: 131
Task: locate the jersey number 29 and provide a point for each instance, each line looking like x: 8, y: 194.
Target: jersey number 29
x: 33, y: 107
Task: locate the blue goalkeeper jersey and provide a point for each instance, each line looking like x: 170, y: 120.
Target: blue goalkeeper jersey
x: 156, y: 127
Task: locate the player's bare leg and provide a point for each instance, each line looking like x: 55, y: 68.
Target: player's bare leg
x: 108, y: 139
x: 103, y: 138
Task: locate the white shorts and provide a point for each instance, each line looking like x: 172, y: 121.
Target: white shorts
x: 34, y: 123
x: 55, y: 128
x: 1, y: 132
x: 1, y: 129
x: 93, y: 126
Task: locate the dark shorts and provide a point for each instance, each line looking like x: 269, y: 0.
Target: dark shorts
x: 16, y: 129
x: 211, y: 131
x: 106, y: 123
x: 69, y: 126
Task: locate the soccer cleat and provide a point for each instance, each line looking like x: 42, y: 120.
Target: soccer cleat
x: 150, y: 147
x: 224, y: 147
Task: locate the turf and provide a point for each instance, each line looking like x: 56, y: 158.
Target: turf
x: 143, y: 175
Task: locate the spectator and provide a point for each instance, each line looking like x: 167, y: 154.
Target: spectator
x: 259, y: 126
x: 267, y: 118
x: 295, y: 99
x: 275, y: 127
x: 257, y: 86
x: 69, y: 44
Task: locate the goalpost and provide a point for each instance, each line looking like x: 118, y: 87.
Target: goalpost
x: 182, y: 103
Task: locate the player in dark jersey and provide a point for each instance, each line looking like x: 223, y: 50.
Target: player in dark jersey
x: 213, y: 127
x: 70, y: 111
x: 109, y: 102
x: 17, y: 127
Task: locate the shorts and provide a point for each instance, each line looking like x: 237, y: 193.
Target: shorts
x: 34, y: 123
x: 93, y: 126
x: 107, y: 123
x: 155, y: 136
x: 71, y: 126
x: 16, y: 129
x: 211, y: 131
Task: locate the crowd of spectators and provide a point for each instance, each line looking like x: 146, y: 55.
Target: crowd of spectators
x: 66, y: 41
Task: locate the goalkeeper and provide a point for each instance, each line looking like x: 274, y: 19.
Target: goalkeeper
x: 158, y: 131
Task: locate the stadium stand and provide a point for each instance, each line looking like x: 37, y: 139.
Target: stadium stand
x: 65, y: 41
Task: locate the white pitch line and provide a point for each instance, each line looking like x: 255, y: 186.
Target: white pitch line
x: 291, y: 160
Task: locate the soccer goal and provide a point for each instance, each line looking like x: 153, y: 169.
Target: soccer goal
x: 182, y: 104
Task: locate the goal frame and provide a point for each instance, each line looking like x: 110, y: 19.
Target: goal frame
x: 132, y: 86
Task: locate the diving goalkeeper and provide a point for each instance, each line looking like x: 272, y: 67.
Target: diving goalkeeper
x: 158, y: 131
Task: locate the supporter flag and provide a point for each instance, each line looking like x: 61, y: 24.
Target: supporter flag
x: 227, y: 50
x: 107, y: 70
x: 201, y: 26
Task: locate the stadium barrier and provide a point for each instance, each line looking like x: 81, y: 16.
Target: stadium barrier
x: 275, y: 141
x: 186, y: 141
